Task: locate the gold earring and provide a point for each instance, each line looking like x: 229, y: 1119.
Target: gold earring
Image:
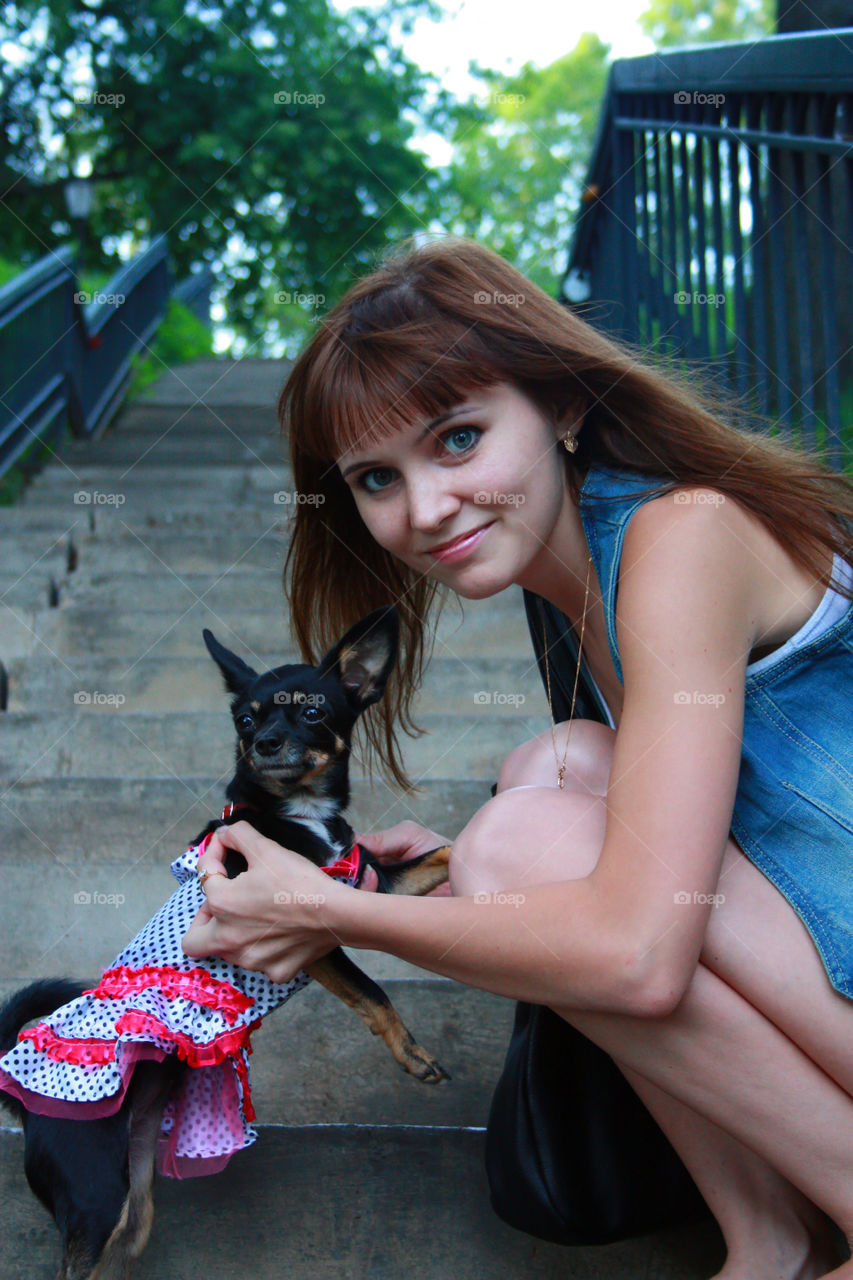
x: 570, y: 442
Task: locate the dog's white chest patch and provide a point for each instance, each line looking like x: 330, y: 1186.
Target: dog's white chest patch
x: 310, y: 812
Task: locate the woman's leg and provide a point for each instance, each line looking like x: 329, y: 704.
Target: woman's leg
x: 720, y: 1057
x: 700, y: 1096
x: 770, y: 1227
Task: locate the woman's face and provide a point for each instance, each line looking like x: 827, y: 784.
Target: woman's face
x: 488, y: 469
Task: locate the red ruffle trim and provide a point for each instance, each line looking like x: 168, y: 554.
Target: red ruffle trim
x: 226, y: 1045
x: 91, y: 1052
x: 81, y: 1051
x: 195, y: 984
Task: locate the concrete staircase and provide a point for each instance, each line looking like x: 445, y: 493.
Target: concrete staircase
x: 114, y: 751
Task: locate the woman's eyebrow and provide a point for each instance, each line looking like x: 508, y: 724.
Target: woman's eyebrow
x: 436, y: 422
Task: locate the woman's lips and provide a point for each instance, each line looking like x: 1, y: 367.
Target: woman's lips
x: 463, y: 547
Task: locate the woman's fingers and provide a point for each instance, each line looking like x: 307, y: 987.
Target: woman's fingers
x: 370, y: 880
x: 270, y: 916
x: 239, y: 835
x: 401, y: 842
x: 204, y: 935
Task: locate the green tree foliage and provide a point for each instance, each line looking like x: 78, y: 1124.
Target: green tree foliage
x: 521, y: 150
x: 270, y: 138
x: 522, y: 146
x: 689, y: 22
x: 181, y: 338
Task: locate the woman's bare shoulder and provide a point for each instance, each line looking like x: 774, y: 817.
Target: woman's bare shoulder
x: 782, y: 593
x: 694, y: 517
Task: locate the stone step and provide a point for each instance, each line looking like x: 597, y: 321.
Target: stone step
x: 177, y: 447
x: 214, y: 488
x: 102, y: 628
x: 82, y: 824
x: 25, y: 556
x: 39, y: 521
x: 83, y: 918
x: 97, y: 738
x: 138, y: 507
x: 219, y: 382
x: 348, y: 1202
x: 33, y: 529
x: 303, y: 1052
x: 97, y: 473
x: 200, y: 551
x: 18, y: 636
x: 73, y: 919
x: 40, y: 585
x: 249, y: 591
x: 512, y: 686
x: 119, y: 549
x: 188, y: 421
x: 300, y: 1057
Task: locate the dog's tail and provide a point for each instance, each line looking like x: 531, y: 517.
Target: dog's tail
x: 35, y: 1001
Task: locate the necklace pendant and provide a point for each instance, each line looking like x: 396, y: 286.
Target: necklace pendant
x: 561, y: 769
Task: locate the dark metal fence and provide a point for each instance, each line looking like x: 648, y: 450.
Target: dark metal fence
x: 66, y: 356
x: 717, y: 222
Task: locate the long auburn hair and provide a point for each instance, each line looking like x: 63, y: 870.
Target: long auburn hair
x: 415, y: 337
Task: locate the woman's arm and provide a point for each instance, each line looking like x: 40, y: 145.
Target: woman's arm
x: 544, y: 944
x: 283, y: 913
x: 624, y: 939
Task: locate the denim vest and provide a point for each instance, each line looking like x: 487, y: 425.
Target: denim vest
x: 793, y: 811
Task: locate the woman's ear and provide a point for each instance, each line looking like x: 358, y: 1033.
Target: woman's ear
x: 571, y: 417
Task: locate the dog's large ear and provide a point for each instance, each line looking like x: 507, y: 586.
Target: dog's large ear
x: 237, y: 674
x: 365, y: 657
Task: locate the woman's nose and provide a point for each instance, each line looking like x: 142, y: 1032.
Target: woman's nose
x: 430, y: 504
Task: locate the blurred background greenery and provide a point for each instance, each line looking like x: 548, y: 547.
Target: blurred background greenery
x: 287, y: 144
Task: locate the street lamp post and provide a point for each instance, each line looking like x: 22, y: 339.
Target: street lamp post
x: 78, y: 199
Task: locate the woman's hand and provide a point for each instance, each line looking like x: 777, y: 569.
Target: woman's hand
x: 401, y: 843
x: 270, y: 918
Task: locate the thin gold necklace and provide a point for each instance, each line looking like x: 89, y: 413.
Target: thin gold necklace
x: 561, y: 765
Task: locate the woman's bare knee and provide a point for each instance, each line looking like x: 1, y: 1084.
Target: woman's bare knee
x: 588, y: 759
x: 758, y: 945
x: 536, y: 835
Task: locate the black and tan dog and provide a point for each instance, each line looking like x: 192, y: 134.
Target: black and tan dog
x: 294, y: 727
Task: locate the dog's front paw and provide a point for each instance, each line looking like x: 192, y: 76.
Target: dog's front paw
x: 422, y: 1065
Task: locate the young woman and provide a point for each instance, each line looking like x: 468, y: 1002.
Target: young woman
x: 687, y: 873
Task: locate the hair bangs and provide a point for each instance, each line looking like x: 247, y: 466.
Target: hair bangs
x: 380, y: 383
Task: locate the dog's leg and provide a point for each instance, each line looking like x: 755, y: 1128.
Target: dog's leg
x: 338, y: 974
x: 417, y: 876
x: 152, y: 1084
x: 78, y: 1170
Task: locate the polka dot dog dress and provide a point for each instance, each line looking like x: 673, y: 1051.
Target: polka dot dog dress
x: 154, y: 1001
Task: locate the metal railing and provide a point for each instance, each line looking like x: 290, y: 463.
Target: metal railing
x: 717, y: 222
x: 194, y: 293
x: 66, y: 356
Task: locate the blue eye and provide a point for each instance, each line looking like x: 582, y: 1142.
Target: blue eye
x: 474, y: 433
x: 377, y: 471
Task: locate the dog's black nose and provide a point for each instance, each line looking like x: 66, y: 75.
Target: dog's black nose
x: 267, y: 746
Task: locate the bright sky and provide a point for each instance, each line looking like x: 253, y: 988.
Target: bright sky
x: 505, y: 36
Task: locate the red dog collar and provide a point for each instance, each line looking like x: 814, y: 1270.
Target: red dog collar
x: 344, y: 867
x: 347, y: 866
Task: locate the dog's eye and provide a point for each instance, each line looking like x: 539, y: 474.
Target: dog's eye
x: 312, y: 714
x: 245, y: 722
